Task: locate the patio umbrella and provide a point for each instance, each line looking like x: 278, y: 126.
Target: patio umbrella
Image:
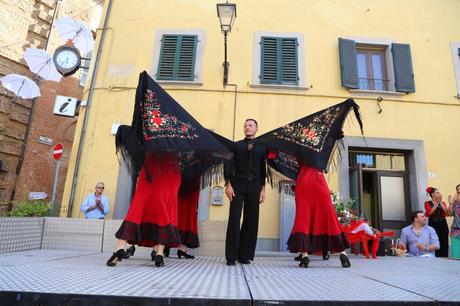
x: 41, y: 63
x: 21, y: 86
x: 77, y: 32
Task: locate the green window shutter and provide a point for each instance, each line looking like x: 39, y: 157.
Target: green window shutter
x: 289, y: 67
x: 177, y: 58
x: 186, y: 65
x: 279, y: 61
x: 348, y: 63
x: 269, y: 61
x: 402, y: 62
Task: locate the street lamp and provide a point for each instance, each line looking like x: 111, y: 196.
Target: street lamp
x: 227, y: 14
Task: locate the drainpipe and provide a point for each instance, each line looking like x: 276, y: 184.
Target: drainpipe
x: 234, y: 108
x: 86, y: 116
x: 52, y: 23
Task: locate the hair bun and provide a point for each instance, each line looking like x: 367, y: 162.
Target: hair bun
x: 429, y: 190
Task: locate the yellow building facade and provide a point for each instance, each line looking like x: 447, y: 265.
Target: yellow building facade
x: 399, y: 60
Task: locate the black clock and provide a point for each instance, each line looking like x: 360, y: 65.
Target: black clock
x: 67, y: 60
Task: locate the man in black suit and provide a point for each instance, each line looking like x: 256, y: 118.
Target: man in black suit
x: 245, y: 187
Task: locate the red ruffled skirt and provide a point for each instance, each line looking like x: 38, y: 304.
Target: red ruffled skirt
x: 152, y: 217
x: 316, y: 226
x: 188, y: 215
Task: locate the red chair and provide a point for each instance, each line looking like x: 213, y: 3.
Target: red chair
x: 363, y: 238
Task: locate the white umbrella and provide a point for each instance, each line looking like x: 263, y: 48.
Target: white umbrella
x: 20, y: 85
x: 77, y: 32
x: 41, y: 63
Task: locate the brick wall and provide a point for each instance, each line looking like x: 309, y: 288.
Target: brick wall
x: 24, y: 24
x: 37, y: 172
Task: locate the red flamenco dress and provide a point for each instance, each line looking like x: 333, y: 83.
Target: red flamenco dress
x: 152, y: 217
x: 316, y: 227
x: 188, y: 211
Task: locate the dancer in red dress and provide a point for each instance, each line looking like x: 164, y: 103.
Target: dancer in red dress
x: 188, y: 218
x: 187, y: 210
x: 301, y: 151
x: 152, y: 220
x: 316, y: 227
x: 165, y: 147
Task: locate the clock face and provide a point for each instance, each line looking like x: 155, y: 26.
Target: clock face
x: 67, y: 60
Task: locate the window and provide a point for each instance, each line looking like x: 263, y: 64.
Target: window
x: 378, y: 160
x: 376, y: 65
x: 455, y: 50
x: 178, y: 56
x: 278, y: 60
x: 372, y: 72
x: 85, y: 67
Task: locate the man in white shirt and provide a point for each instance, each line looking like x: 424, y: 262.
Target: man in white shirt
x: 96, y: 205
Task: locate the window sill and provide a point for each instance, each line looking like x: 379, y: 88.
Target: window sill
x: 378, y: 93
x: 184, y: 83
x: 275, y: 86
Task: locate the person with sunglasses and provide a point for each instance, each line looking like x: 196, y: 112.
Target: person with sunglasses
x: 96, y: 205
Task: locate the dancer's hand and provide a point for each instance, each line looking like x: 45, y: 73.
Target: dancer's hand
x: 229, y: 192
x: 262, y: 195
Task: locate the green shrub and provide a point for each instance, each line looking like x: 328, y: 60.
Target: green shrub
x: 31, y: 209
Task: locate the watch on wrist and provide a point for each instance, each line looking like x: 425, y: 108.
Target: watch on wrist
x: 426, y: 249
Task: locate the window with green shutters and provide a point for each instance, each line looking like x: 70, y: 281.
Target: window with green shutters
x: 279, y: 63
x: 363, y: 66
x: 177, y: 58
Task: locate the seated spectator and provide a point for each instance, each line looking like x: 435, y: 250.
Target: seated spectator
x: 96, y: 205
x: 420, y: 239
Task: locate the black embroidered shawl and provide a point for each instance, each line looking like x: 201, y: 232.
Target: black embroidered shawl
x: 309, y: 140
x: 161, y: 126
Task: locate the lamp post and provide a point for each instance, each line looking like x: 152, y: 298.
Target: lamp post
x: 227, y: 14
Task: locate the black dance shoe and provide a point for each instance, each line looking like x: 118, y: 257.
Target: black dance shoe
x: 231, y: 263
x: 181, y: 253
x: 153, y: 255
x: 326, y: 255
x: 159, y: 261
x: 116, y: 257
x: 304, y: 262
x: 345, y: 261
x: 166, y: 251
x: 298, y: 258
x: 130, y: 252
x: 244, y: 261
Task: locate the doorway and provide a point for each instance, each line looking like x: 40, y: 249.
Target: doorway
x: 379, y: 184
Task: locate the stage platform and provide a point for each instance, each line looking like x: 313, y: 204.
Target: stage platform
x: 63, y: 277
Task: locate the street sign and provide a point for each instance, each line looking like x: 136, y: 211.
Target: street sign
x: 65, y: 106
x: 57, y: 153
x: 45, y: 140
x: 37, y: 195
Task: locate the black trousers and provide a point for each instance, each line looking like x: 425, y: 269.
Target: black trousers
x: 240, y: 244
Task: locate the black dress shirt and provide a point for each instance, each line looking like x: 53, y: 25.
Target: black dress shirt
x: 248, y: 162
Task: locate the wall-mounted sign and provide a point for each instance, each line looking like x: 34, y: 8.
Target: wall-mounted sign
x: 65, y: 106
x: 217, y: 195
x: 45, y: 140
x: 37, y: 195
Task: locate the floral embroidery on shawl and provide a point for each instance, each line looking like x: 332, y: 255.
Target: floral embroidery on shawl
x: 159, y: 125
x: 313, y: 134
x: 287, y: 161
